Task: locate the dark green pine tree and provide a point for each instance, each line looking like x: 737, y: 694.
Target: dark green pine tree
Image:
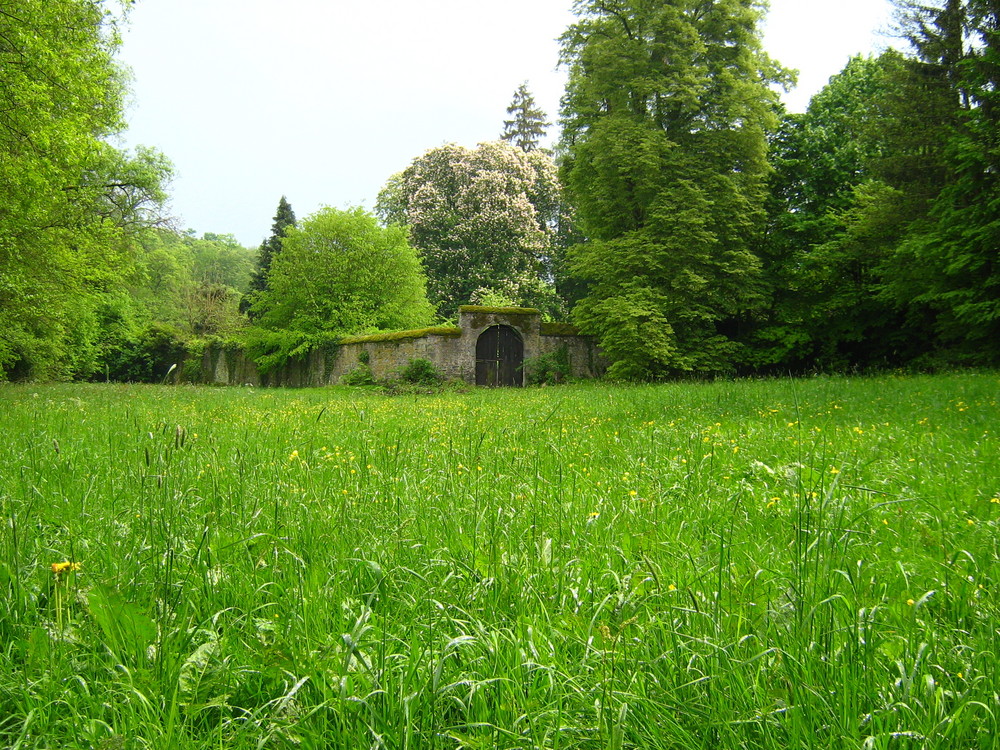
x: 527, y: 124
x: 284, y: 218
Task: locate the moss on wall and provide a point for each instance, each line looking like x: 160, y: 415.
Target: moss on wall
x: 498, y: 310
x: 559, y: 329
x: 400, y: 335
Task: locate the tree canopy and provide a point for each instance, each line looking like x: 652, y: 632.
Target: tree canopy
x: 484, y: 221
x: 340, y: 272
x: 68, y: 200
x: 690, y: 226
x: 666, y: 118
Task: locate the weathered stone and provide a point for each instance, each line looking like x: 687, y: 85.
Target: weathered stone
x: 451, y: 350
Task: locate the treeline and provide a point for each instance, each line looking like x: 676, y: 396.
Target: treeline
x: 684, y: 219
x: 724, y: 235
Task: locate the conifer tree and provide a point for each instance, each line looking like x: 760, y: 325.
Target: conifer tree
x: 527, y: 124
x: 284, y: 219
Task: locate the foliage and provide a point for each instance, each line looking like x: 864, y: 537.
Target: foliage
x: 527, y: 124
x: 884, y: 235
x: 500, y: 310
x: 945, y: 269
x: 482, y: 219
x: 271, y: 349
x: 284, y: 219
x: 360, y: 375
x: 823, y: 262
x: 420, y: 371
x: 414, y: 333
x: 666, y: 114
x: 189, y: 282
x: 550, y: 368
x: 69, y: 202
x: 735, y: 565
x: 341, y: 273
x: 147, y: 356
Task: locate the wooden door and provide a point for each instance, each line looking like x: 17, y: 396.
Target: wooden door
x: 499, y: 357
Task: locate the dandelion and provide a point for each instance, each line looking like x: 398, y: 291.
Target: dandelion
x: 671, y: 587
x: 970, y: 521
x: 293, y: 455
x: 58, y: 569
x: 910, y: 602
x: 834, y: 470
x: 63, y: 567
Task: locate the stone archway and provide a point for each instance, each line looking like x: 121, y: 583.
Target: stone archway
x: 499, y: 357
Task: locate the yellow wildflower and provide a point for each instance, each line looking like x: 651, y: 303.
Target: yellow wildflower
x: 62, y: 567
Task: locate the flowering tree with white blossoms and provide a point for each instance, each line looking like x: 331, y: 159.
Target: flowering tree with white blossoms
x: 484, y: 220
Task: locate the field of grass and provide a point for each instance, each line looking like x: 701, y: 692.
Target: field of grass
x: 749, y: 564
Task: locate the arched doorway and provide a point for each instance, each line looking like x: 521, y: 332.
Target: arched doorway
x: 499, y: 356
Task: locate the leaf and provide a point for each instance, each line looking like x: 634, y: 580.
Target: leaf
x: 127, y: 629
x: 195, y: 667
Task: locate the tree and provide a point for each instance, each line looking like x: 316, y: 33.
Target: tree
x: 666, y: 115
x: 832, y: 224
x: 947, y: 261
x: 485, y: 221
x: 527, y: 124
x: 341, y: 273
x: 284, y: 219
x: 69, y: 202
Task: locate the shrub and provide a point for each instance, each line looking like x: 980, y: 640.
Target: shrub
x: 549, y: 368
x: 147, y: 358
x: 420, y: 372
x: 360, y: 375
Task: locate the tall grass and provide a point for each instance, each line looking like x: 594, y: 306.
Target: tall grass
x: 739, y: 564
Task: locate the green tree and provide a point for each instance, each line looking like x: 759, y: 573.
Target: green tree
x: 666, y: 116
x: 191, y: 284
x: 528, y: 123
x: 69, y: 202
x: 832, y: 223
x: 946, y: 263
x: 485, y: 221
x: 342, y: 273
x: 284, y: 219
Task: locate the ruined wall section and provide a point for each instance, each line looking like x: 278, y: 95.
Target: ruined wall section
x: 451, y: 349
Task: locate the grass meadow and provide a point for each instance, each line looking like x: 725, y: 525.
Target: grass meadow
x: 746, y: 564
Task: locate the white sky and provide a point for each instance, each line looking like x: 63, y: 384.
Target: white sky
x: 322, y: 100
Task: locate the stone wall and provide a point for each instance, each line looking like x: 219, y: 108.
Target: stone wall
x: 452, y: 351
